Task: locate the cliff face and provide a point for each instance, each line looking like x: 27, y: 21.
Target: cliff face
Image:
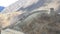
x: 38, y: 23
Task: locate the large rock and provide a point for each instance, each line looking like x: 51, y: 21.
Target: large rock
x: 10, y: 31
x: 39, y: 24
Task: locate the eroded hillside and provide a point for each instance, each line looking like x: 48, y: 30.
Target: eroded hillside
x: 5, y: 19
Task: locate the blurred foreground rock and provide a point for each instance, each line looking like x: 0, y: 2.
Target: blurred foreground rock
x: 10, y: 31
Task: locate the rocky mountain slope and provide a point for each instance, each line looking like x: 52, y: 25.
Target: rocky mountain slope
x: 30, y: 22
x: 39, y: 24
x: 32, y: 5
x: 5, y: 19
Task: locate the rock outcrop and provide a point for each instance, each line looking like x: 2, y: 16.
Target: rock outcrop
x: 38, y: 23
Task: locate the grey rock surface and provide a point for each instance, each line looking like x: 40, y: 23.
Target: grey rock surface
x: 39, y: 23
x: 10, y: 31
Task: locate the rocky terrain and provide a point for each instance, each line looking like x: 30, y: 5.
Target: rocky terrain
x: 10, y: 31
x: 5, y: 19
x: 38, y: 23
x: 30, y: 22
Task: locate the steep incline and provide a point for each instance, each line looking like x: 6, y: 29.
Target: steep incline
x: 31, y: 5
